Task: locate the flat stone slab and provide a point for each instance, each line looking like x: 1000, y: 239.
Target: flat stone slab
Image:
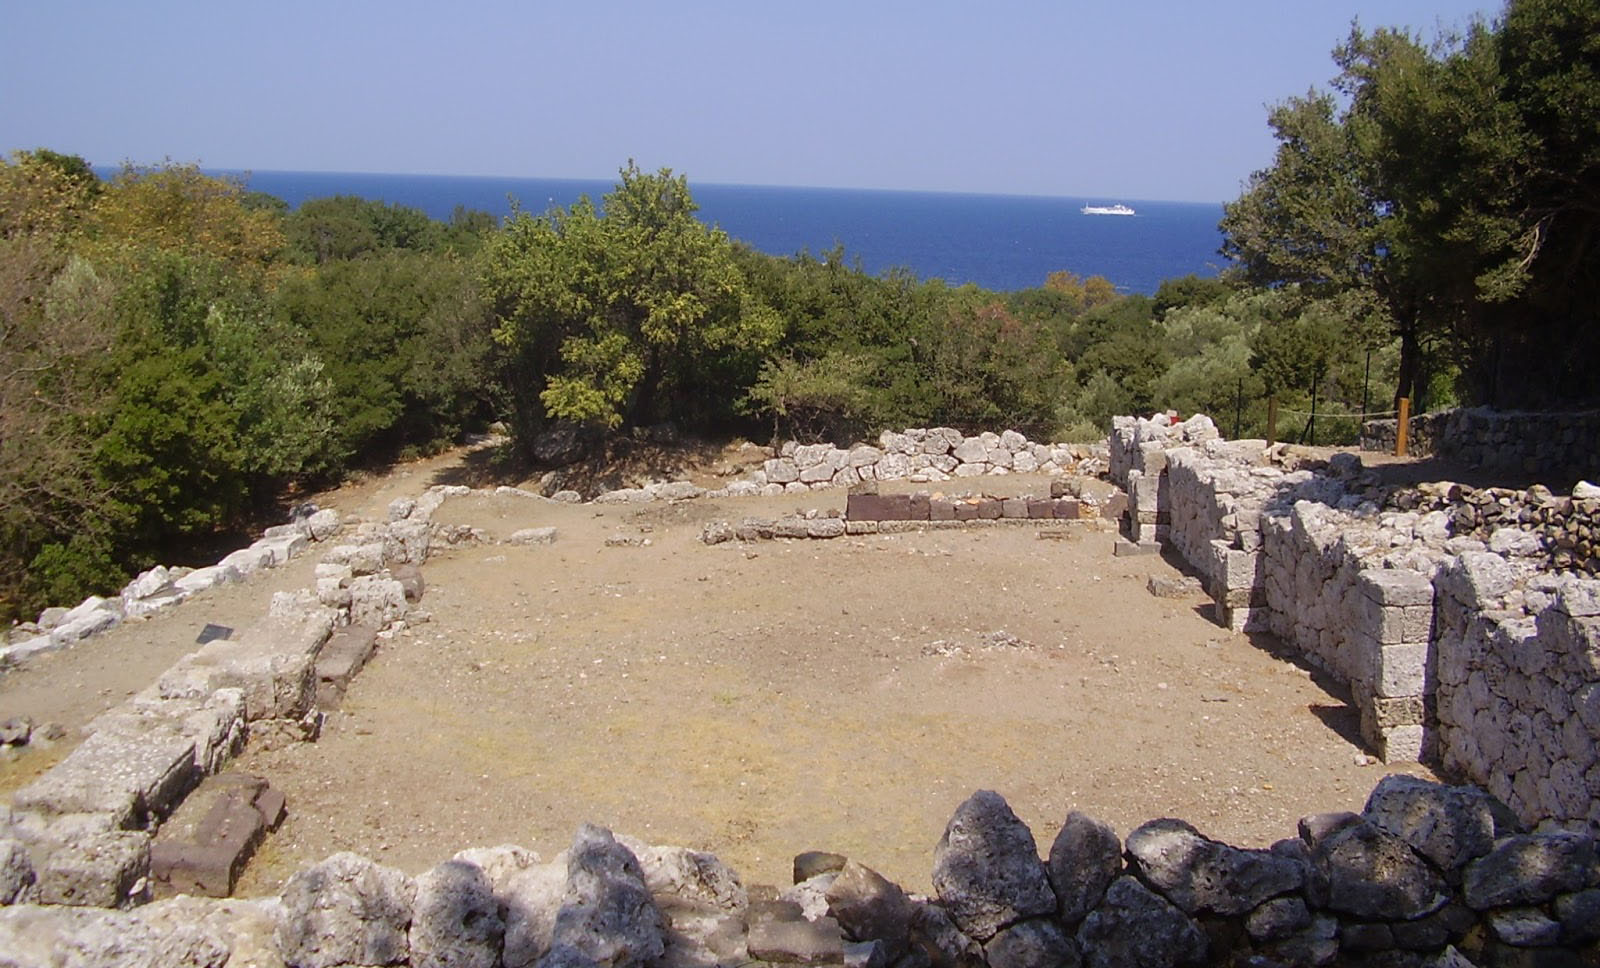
x: 342, y: 656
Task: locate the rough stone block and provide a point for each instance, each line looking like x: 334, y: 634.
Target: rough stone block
x: 1390, y: 586
x: 1067, y: 508
x: 920, y: 507
x: 1128, y: 549
x: 861, y: 527
x: 825, y: 528
x: 1401, y: 670
x: 990, y: 509
x: 203, y: 853
x: 1403, y: 744
x: 99, y: 870
x: 132, y: 767
x: 941, y: 510
x: 966, y: 511
x: 1040, y: 509
x: 1014, y: 507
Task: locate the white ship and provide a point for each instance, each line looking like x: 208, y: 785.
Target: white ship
x: 1117, y: 209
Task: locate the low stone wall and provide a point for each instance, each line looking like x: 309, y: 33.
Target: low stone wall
x: 1563, y: 447
x: 1426, y: 874
x: 162, y: 587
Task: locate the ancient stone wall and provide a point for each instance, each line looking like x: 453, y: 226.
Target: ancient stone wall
x: 1426, y: 874
x: 1458, y: 618
x: 1562, y: 447
x: 1517, y: 673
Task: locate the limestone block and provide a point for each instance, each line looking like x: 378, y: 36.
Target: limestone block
x: 1389, y: 586
x: 36, y: 935
x: 1401, y: 670
x: 781, y: 471
x: 134, y: 765
x: 971, y: 450
x: 101, y: 870
x: 346, y: 910
x: 202, y: 578
x: 283, y: 547
x: 816, y: 473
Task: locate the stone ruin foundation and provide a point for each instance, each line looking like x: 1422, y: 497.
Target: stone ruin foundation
x: 1466, y: 629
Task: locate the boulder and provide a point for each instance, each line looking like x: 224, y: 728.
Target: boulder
x: 869, y: 907
x: 1202, y: 875
x: 376, y: 600
x: 1531, y: 869
x: 1277, y: 918
x: 936, y: 936
x: 986, y: 868
x: 322, y: 525
x: 1371, y: 873
x: 532, y: 896
x: 1085, y: 858
x: 1135, y: 928
x: 1449, y: 825
x: 1035, y: 943
x: 689, y: 875
x: 562, y: 443
x: 345, y: 910
x: 607, y: 914
x: 455, y: 921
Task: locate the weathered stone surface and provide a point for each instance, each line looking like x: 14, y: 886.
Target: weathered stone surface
x: 1579, y: 914
x: 16, y: 872
x: 64, y: 937
x: 1084, y: 859
x: 532, y: 536
x: 811, y: 894
x: 936, y: 935
x: 345, y: 910
x: 607, y: 913
x: 1035, y: 943
x: 98, y: 870
x: 1277, y: 918
x: 341, y: 657
x: 810, y: 863
x: 1531, y: 869
x: 986, y: 868
x: 1449, y: 825
x: 1202, y: 875
x: 1373, y: 874
x: 376, y: 600
x: 532, y: 897
x: 244, y: 927
x: 1136, y: 928
x: 869, y: 907
x: 205, y: 845
x: 818, y: 942
x: 1524, y: 926
x: 455, y: 921
x: 689, y: 875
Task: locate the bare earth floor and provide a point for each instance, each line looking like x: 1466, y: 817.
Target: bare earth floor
x: 761, y: 700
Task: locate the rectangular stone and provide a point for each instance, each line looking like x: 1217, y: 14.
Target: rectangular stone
x: 1401, y: 670
x: 941, y: 510
x: 920, y: 507
x: 1416, y: 623
x: 341, y: 657
x: 1391, y: 586
x: 966, y: 511
x: 990, y: 509
x: 861, y: 527
x: 878, y: 507
x: 1114, y: 507
x: 1125, y: 548
x: 1068, y: 509
x: 1041, y: 509
x: 1014, y: 507
x: 99, y: 870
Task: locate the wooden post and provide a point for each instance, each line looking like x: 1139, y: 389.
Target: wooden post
x: 1402, y: 432
x: 1272, y: 420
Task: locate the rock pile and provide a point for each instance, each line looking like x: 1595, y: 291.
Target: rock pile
x: 162, y: 587
x: 1426, y: 874
x: 920, y: 456
x: 1562, y: 532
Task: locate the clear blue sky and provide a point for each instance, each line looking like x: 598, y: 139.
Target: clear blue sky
x: 1137, y: 99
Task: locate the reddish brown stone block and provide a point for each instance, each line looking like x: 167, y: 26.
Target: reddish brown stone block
x: 966, y: 511
x: 1041, y: 509
x: 990, y: 509
x: 940, y: 510
x: 919, y: 507
x: 1067, y: 509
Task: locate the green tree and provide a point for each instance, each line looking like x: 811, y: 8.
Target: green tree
x: 629, y: 317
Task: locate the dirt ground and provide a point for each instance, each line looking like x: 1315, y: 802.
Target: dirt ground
x: 759, y: 700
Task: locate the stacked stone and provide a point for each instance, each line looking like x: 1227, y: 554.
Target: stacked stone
x: 1135, y: 440
x: 162, y: 587
x: 1426, y: 874
x: 918, y: 455
x: 82, y: 833
x: 1518, y: 684
x: 1553, y: 444
x: 1562, y: 532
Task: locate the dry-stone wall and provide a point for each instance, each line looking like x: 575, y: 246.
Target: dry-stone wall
x: 1463, y: 621
x: 1559, y: 445
x: 1425, y: 875
x: 162, y: 587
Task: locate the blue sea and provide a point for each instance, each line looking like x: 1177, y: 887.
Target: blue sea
x: 1001, y: 242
